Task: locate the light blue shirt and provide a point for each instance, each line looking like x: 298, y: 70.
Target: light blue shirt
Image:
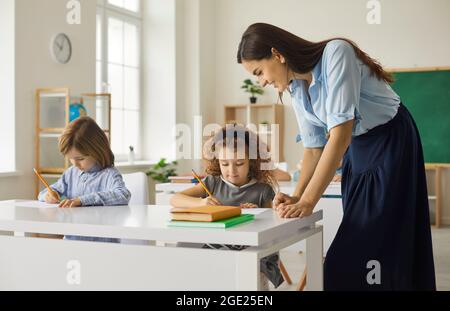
x: 342, y: 89
x: 94, y: 188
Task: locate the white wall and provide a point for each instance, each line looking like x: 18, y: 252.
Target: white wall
x: 7, y: 86
x: 195, y: 46
x: 412, y: 33
x: 36, y: 23
x: 159, y: 78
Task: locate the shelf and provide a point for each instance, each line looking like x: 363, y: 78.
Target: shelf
x: 51, y: 170
x: 241, y: 106
x: 53, y: 95
x: 254, y: 115
x: 51, y: 175
x: 49, y: 135
x: 51, y: 130
x: 96, y: 95
x: 48, y: 109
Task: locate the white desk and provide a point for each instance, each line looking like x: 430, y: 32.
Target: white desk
x: 28, y: 263
x: 330, y: 204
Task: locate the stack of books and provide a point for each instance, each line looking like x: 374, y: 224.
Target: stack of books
x: 208, y: 217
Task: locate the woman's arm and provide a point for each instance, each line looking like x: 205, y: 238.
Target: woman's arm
x: 311, y: 157
x: 193, y: 197
x: 340, y: 139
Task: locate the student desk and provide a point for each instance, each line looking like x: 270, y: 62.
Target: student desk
x: 28, y: 263
x: 330, y: 204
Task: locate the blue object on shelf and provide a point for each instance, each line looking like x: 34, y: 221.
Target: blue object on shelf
x: 76, y: 111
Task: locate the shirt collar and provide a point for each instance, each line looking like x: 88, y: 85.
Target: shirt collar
x: 250, y: 183
x: 96, y: 168
x: 316, y: 76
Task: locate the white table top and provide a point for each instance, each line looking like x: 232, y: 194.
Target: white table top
x: 142, y: 222
x: 285, y: 187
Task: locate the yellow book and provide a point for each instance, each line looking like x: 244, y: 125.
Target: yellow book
x: 205, y: 213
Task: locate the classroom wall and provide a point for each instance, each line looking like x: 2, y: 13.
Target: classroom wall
x: 159, y: 78
x: 36, y: 23
x: 195, y: 72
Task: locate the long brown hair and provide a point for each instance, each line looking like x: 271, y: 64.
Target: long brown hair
x: 236, y: 136
x: 301, y: 55
x: 89, y: 139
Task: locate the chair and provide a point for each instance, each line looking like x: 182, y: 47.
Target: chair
x: 137, y: 184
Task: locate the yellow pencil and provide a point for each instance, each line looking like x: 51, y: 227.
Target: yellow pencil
x: 50, y: 190
x: 201, y: 183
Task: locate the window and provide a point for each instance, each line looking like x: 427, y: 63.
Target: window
x: 7, y: 87
x: 119, y: 70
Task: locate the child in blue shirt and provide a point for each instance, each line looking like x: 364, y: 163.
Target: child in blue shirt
x: 92, y: 180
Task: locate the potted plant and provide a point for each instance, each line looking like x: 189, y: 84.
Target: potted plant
x: 161, y: 171
x: 252, y: 88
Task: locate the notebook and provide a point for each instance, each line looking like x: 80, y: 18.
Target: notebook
x: 221, y: 224
x: 205, y: 213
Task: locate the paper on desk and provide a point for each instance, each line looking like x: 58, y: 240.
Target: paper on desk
x: 254, y: 211
x: 36, y: 204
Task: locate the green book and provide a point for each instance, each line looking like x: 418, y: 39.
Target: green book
x: 221, y: 224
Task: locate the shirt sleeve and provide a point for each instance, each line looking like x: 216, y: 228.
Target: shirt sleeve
x: 343, y: 74
x: 268, y: 195
x: 60, y: 187
x: 311, y: 135
x: 210, y: 182
x: 116, y: 193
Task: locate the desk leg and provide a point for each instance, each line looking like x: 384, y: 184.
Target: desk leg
x: 247, y: 271
x: 314, y: 262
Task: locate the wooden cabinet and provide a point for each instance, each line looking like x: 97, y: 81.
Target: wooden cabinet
x: 265, y: 119
x: 435, y: 181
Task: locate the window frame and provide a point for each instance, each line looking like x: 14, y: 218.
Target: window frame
x: 106, y: 11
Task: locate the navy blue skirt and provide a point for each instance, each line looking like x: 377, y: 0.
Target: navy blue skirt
x: 384, y: 240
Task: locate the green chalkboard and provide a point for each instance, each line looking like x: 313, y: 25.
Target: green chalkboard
x: 427, y: 96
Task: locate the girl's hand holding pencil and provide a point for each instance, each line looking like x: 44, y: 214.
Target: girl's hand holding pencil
x: 212, y: 201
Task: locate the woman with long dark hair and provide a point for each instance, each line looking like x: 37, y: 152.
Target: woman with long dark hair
x: 346, y: 109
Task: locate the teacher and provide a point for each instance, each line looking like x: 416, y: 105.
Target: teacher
x: 346, y: 109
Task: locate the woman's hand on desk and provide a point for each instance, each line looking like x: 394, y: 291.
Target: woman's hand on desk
x: 249, y: 205
x: 300, y: 209
x: 282, y: 200
x: 70, y: 203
